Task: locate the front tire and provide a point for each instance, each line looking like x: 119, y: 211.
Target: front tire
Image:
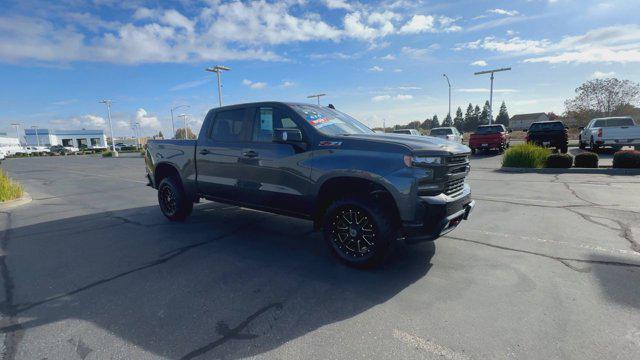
x: 173, y: 202
x: 359, y: 232
x: 581, y: 145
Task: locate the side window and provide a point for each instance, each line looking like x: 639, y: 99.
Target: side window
x: 599, y: 123
x: 267, y: 119
x: 228, y: 125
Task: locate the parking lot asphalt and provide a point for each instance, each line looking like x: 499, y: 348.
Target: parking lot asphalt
x: 546, y: 268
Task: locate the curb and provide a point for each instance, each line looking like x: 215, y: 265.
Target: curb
x: 25, y: 199
x: 604, y: 171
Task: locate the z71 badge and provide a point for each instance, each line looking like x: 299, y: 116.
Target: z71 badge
x: 330, y: 143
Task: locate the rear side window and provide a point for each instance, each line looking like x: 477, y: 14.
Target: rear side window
x: 484, y: 130
x: 620, y: 122
x: 228, y: 126
x: 546, y: 126
x: 441, y: 132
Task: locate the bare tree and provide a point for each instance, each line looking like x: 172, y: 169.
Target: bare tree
x: 602, y: 97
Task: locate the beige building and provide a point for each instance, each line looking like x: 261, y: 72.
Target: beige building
x: 523, y: 121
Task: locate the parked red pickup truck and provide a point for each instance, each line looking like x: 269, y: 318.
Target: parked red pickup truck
x: 487, y: 137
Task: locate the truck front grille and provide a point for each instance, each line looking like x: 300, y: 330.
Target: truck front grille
x: 454, y: 187
x: 457, y: 159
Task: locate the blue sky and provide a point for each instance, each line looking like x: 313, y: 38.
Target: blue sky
x: 375, y: 59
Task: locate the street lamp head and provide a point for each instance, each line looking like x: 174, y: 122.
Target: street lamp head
x: 218, y: 68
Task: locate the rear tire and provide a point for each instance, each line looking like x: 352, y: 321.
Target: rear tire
x: 173, y: 202
x: 592, y: 146
x: 581, y: 145
x: 564, y: 148
x: 473, y: 151
x: 359, y: 231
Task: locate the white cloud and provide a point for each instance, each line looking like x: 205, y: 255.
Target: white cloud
x: 418, y: 53
x: 513, y: 45
x: 483, y: 90
x: 286, y: 84
x: 418, y: 24
x: 254, y: 85
x: 146, y: 121
x: 388, y: 57
x: 379, y: 98
x: 337, y: 4
x: 376, y: 68
x: 479, y: 63
x: 191, y: 84
x: 404, y: 97
x: 504, y: 12
x: 602, y: 75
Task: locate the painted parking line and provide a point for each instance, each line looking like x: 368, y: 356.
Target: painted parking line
x: 428, y: 346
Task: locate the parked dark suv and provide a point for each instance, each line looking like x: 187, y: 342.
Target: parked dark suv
x: 365, y: 190
x: 549, y: 134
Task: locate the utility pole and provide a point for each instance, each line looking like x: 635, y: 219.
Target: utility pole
x: 449, y: 83
x: 173, y: 128
x: 17, y: 126
x: 113, y: 140
x: 37, y: 137
x: 218, y: 69
x: 317, y: 96
x: 384, y: 125
x: 491, y: 91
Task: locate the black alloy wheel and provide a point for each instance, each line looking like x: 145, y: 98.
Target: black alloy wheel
x: 353, y: 233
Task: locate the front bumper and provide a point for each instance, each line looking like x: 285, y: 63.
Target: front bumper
x: 437, y: 215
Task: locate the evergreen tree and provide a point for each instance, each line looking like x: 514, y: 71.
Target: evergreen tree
x: 468, y: 119
x: 503, y: 115
x: 160, y: 135
x: 476, y: 117
x: 447, y: 121
x: 180, y: 134
x: 435, y: 122
x: 458, y: 121
x: 484, y: 114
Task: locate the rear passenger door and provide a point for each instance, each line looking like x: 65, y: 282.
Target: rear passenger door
x: 275, y: 175
x: 218, y: 154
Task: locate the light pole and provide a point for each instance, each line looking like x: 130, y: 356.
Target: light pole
x: 491, y: 91
x: 173, y: 128
x: 449, y: 83
x: 17, y: 126
x: 317, y: 96
x: 37, y: 137
x: 113, y: 140
x: 218, y: 69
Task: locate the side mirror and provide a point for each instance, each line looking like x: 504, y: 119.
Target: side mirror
x: 510, y: 131
x: 287, y: 136
x: 524, y: 130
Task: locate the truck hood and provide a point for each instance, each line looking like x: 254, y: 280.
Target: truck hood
x: 415, y: 143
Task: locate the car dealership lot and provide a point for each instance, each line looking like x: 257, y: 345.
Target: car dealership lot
x: 545, y: 268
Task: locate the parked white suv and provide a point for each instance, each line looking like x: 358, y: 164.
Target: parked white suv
x: 447, y: 133
x: 611, y: 131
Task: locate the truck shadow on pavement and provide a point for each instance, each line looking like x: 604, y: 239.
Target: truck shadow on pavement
x: 229, y: 282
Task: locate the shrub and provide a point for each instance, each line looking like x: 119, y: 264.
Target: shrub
x: 9, y: 190
x: 586, y: 160
x: 107, y: 154
x: 526, y: 156
x: 558, y: 161
x: 627, y: 159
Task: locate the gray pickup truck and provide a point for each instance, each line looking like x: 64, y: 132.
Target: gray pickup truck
x: 364, y: 190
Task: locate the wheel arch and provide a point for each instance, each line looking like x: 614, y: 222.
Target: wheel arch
x: 164, y: 170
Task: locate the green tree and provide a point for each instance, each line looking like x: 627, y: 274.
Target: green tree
x: 181, y: 132
x: 484, y: 114
x: 447, y: 121
x: 602, y: 97
x: 503, y: 115
x: 160, y: 135
x: 469, y: 121
x: 434, y: 121
x: 458, y: 121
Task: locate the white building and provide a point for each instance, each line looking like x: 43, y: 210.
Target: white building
x: 523, y: 121
x: 9, y: 145
x: 76, y: 138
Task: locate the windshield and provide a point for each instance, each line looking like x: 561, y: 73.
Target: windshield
x: 546, y: 126
x: 441, y: 132
x: 330, y: 121
x: 483, y: 130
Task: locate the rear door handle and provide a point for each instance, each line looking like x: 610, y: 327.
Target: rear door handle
x: 250, y: 154
x: 205, y: 152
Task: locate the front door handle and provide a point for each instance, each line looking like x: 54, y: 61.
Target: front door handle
x: 205, y: 152
x: 250, y: 154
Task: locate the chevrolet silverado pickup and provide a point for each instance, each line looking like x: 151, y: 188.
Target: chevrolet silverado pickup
x: 487, y: 137
x: 364, y: 190
x: 612, y: 131
x: 549, y: 134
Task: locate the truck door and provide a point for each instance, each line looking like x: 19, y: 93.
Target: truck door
x: 275, y: 175
x: 218, y: 152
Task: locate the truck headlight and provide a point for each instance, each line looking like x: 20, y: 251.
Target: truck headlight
x: 422, y: 160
